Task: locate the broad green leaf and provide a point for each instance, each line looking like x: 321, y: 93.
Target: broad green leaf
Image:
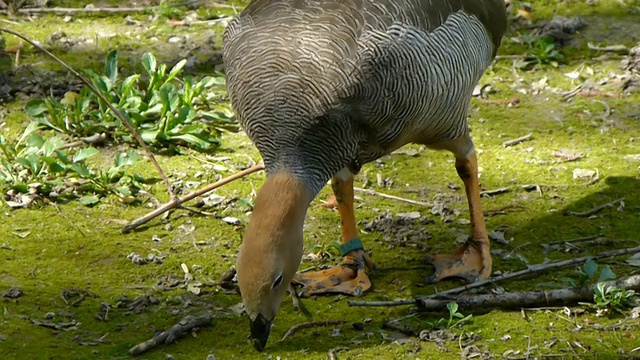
x: 149, y: 136
x: 89, y: 200
x: 193, y: 140
x: 149, y: 63
x: 453, y: 307
x: 606, y: 274
x: 36, y: 108
x: 127, y: 158
x: 28, y: 132
x: 175, y: 70
x: 590, y: 268
x: 80, y: 169
x: 83, y: 154
x: 111, y: 66
x: 51, y: 145
x: 124, y: 190
x: 569, y: 281
x: 20, y: 187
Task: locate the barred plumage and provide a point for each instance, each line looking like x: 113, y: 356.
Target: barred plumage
x: 323, y: 85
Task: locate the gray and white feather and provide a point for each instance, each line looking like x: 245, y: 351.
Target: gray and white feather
x: 323, y: 85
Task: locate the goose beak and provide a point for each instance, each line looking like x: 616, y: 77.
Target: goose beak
x: 260, y: 328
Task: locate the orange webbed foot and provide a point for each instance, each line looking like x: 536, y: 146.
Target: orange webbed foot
x: 471, y: 262
x: 347, y: 278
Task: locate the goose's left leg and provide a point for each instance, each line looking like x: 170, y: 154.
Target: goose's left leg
x: 349, y: 277
x: 473, y: 260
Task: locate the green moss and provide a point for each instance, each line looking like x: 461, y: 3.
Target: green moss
x: 77, y: 247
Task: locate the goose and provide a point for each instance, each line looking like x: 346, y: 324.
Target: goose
x: 322, y: 87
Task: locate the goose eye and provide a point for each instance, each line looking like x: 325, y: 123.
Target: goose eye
x: 277, y: 282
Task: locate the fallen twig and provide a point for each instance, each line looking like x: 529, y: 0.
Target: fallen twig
x: 333, y: 353
x: 311, y: 324
x: 556, y: 297
x: 534, y: 269
x: 512, y: 102
x: 517, y: 141
x: 531, y: 270
x: 595, y: 209
x: 383, y: 303
x: 175, y: 202
x: 569, y: 243
x: 392, y: 197
x: 611, y: 48
x: 527, y: 187
x: 117, y: 112
x: 93, y: 140
x: 185, y: 326
x: 106, y: 10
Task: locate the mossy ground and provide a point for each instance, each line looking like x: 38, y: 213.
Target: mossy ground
x: 71, y: 246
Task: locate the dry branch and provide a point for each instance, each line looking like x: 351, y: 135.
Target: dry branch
x: 392, y: 197
x: 531, y: 270
x: 535, y: 269
x: 179, y: 330
x: 176, y: 202
x: 117, y: 112
x: 517, y: 141
x: 558, y: 297
x: 311, y: 324
x: 109, y: 10
x: 596, y: 209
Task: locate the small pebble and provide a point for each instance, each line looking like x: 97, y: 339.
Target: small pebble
x: 211, y: 357
x: 49, y: 315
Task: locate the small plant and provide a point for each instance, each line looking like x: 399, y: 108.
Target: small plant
x: 455, y: 318
x: 37, y: 168
x: 588, y: 273
x: 613, y: 298
x: 541, y: 51
x: 167, y: 111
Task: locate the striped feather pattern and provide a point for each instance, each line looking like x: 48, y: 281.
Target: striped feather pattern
x: 323, y: 85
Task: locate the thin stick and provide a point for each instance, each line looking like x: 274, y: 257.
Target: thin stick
x: 531, y: 270
x: 106, y: 10
x: 311, y: 324
x: 535, y: 269
x: 117, y: 112
x: 557, y: 297
x: 384, y: 303
x: 517, y: 141
x: 68, y: 220
x: 176, y: 202
x: 595, y: 209
x: 528, y: 187
x: 575, y: 240
x: 185, y: 326
x: 392, y: 197
x: 333, y: 353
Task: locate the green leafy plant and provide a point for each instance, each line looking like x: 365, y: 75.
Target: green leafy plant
x: 38, y: 167
x: 169, y: 112
x: 588, y: 273
x: 455, y: 318
x: 540, y: 51
x: 613, y: 298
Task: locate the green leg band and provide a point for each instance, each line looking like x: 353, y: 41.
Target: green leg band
x: 351, y: 245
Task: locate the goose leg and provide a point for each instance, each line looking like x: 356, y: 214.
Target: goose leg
x: 349, y: 277
x: 472, y: 261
